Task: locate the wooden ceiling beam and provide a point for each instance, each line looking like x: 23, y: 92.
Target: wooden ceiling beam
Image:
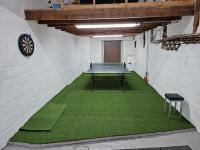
x: 67, y: 25
x: 136, y: 30
x: 119, y: 20
x: 103, y: 31
x: 152, y: 9
x: 142, y: 25
x: 108, y: 33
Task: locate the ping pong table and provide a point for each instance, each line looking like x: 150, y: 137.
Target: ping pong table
x: 108, y: 68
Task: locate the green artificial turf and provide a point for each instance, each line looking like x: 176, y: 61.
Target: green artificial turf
x: 107, y: 111
x: 45, y: 118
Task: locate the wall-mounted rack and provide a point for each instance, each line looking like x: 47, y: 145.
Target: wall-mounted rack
x: 174, y: 42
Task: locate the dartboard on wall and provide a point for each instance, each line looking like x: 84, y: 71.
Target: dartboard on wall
x: 26, y: 44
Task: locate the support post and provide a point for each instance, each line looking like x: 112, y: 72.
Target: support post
x: 196, y: 16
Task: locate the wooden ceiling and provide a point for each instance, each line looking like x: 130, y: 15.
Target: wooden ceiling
x: 149, y: 14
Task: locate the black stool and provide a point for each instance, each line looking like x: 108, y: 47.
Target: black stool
x: 173, y: 97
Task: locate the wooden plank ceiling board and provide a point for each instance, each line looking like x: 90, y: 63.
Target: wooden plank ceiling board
x: 149, y: 14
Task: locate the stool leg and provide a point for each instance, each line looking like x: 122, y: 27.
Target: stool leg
x: 175, y: 106
x: 170, y: 107
x: 180, y: 110
x: 165, y: 104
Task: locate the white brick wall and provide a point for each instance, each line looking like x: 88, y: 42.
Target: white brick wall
x: 26, y: 84
x: 128, y: 51
x: 18, y: 6
x: 94, y: 52
x: 140, y: 64
x: 175, y: 71
x: 85, y: 52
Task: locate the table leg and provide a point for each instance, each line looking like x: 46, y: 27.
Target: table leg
x: 122, y: 79
x: 180, y: 110
x: 165, y: 102
x: 118, y: 75
x: 175, y: 106
x: 92, y: 80
x: 170, y: 107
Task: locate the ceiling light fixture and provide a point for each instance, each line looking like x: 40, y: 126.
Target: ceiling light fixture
x: 106, y: 36
x: 99, y: 26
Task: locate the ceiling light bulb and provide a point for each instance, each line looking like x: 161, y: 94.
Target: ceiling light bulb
x: 106, y: 36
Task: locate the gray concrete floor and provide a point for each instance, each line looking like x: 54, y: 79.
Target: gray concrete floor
x: 186, y: 138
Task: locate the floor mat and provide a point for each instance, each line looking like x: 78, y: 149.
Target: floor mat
x: 45, y: 118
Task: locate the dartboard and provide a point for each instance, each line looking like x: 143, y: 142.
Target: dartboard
x: 26, y: 45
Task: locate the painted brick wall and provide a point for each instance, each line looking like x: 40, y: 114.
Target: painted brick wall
x: 175, y: 71
x: 26, y: 84
x: 141, y: 52
x: 128, y: 53
x: 84, y: 47
x: 92, y: 50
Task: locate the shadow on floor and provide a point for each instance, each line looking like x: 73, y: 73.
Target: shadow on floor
x: 108, y: 83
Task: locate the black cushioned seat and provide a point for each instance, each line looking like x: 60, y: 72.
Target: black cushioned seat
x: 174, y: 97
